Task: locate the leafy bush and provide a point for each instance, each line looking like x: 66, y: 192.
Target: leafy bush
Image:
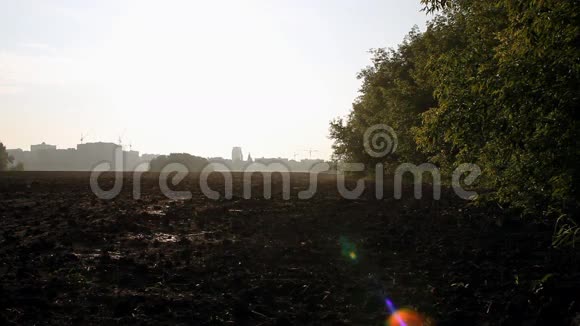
x: 189, y: 163
x: 5, y: 159
x: 495, y: 83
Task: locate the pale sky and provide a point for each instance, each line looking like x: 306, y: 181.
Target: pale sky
x: 189, y: 76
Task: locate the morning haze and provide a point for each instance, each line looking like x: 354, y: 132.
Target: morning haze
x: 277, y: 162
x: 188, y: 76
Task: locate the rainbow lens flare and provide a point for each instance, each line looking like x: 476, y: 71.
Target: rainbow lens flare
x: 348, y: 249
x: 405, y: 317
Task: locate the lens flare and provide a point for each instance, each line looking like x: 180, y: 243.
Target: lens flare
x: 348, y: 249
x: 405, y: 317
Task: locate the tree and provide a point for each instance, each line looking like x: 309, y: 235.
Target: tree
x: 508, y: 99
x: 5, y: 159
x: 188, y: 162
x: 395, y: 91
x: 431, y: 6
x: 495, y: 83
x: 18, y: 167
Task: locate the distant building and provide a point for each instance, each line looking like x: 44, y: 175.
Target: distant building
x: 91, y: 154
x: 42, y: 147
x: 237, y: 155
x: 85, y: 157
x: 263, y: 164
x: 130, y: 160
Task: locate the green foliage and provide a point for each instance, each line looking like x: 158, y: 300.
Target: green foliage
x: 431, y: 6
x: 507, y: 100
x: 394, y: 91
x: 5, y: 159
x: 18, y: 167
x: 187, y: 162
x: 566, y: 233
x: 495, y: 83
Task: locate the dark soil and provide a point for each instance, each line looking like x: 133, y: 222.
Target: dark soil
x: 67, y: 257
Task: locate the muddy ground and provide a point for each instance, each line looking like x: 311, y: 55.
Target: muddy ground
x: 67, y: 257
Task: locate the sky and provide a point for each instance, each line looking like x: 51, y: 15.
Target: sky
x: 189, y: 76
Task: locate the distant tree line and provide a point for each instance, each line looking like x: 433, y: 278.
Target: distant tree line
x: 6, y: 160
x: 187, y: 162
x: 495, y: 83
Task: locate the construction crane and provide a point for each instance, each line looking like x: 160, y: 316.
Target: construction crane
x: 83, y: 136
x: 120, y: 139
x: 130, y: 144
x: 310, y: 151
